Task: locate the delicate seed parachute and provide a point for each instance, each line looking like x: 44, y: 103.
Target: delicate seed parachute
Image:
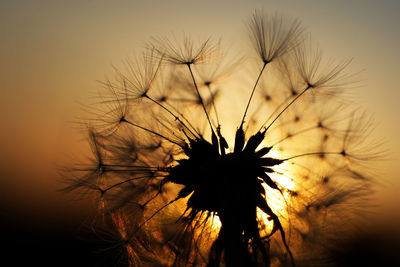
x: 188, y: 170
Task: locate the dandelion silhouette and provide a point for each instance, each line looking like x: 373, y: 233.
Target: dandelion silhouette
x: 172, y: 189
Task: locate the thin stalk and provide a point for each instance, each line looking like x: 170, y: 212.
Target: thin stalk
x: 213, y: 104
x: 276, y: 110
x: 252, y: 92
x: 201, y: 99
x: 187, y: 121
x: 127, y: 170
x: 313, y: 153
x: 126, y: 181
x: 152, y: 132
x: 131, y: 166
x: 170, y: 112
x: 296, y: 133
x: 288, y: 105
x: 157, y: 211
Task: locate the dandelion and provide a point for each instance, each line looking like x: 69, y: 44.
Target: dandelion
x: 176, y: 190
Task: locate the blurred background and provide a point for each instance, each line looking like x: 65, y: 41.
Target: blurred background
x: 53, y: 52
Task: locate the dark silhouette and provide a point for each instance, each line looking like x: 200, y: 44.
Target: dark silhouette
x: 288, y: 187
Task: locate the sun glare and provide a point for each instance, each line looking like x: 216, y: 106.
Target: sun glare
x: 278, y: 201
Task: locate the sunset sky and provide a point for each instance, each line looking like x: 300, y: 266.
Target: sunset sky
x: 53, y: 52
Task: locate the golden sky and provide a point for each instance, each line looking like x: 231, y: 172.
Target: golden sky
x: 52, y: 53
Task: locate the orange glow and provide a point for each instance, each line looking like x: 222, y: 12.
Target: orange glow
x: 122, y: 223
x: 215, y: 224
x: 277, y: 201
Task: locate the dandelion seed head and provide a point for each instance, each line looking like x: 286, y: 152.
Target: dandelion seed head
x: 179, y: 187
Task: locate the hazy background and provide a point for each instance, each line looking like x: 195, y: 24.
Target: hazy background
x: 52, y: 53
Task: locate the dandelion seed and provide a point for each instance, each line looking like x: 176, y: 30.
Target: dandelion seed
x: 185, y: 51
x: 308, y: 60
x: 272, y: 37
x: 140, y: 75
x: 112, y: 110
x: 175, y: 191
